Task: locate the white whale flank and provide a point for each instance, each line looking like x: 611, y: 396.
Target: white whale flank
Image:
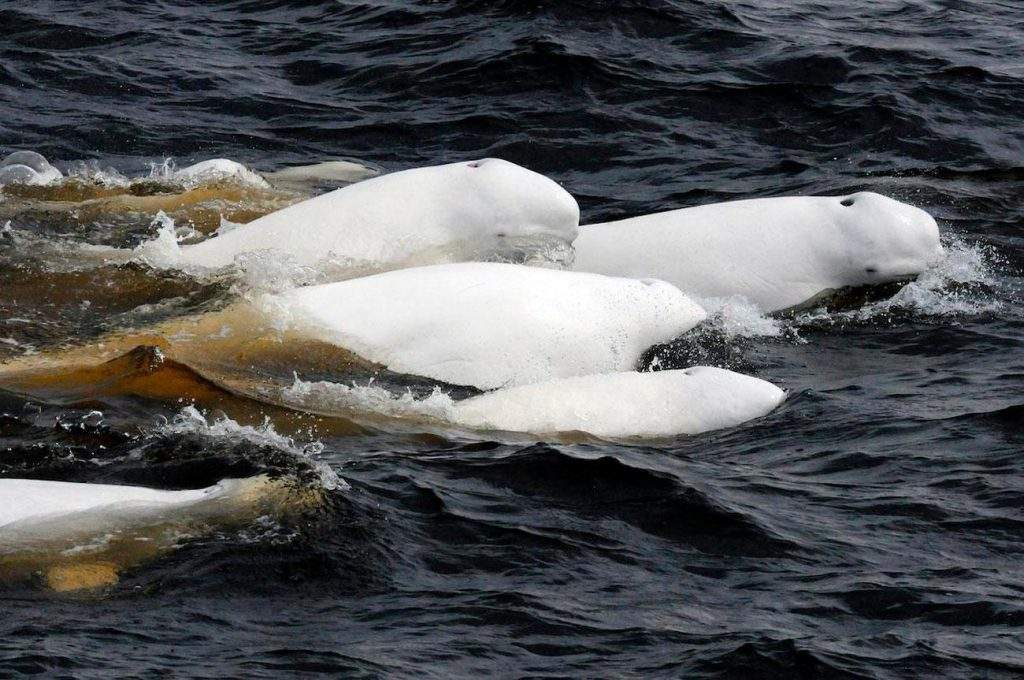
x: 490, y: 325
x: 27, y: 167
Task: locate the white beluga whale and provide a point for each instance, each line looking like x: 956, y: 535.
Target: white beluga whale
x: 299, y: 178
x: 80, y: 535
x: 29, y: 502
x: 27, y: 167
x: 624, y: 404
x: 447, y: 213
x: 489, y: 325
x: 779, y: 253
x: 302, y: 177
x: 617, y: 405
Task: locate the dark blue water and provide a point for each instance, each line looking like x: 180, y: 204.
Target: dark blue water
x: 872, y: 527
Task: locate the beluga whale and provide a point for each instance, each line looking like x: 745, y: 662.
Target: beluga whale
x: 299, y: 178
x: 488, y: 324
x: 80, y: 536
x: 481, y: 325
x: 473, y: 210
x: 624, y: 405
x: 779, y: 253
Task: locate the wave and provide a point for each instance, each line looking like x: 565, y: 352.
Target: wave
x: 191, y: 421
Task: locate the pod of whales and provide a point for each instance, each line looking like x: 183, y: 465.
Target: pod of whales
x: 558, y: 349
x: 779, y: 253
x: 447, y: 213
x: 489, y: 325
x: 626, y: 404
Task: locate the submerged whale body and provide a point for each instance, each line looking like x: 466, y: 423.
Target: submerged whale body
x: 218, y: 170
x: 489, y: 325
x: 27, y: 502
x: 303, y: 177
x: 625, y: 404
x: 442, y: 213
x: 779, y: 253
x: 81, y: 535
x: 295, y: 178
x: 27, y: 167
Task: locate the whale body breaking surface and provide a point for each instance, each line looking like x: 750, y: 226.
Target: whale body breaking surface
x: 626, y: 404
x: 779, y: 253
x: 489, y: 325
x: 27, y: 501
x: 28, y: 167
x: 82, y: 535
x: 446, y: 213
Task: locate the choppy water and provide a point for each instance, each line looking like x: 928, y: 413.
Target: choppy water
x: 871, y: 527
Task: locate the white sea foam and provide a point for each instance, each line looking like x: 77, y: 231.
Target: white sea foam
x: 335, y: 398
x: 959, y: 284
x: 738, y: 317
x: 162, y: 251
x: 93, y: 173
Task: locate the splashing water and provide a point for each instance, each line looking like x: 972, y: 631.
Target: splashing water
x: 335, y: 398
x: 163, y: 170
x: 163, y: 251
x: 191, y: 421
x: 92, y: 173
x: 957, y: 285
x: 738, y: 317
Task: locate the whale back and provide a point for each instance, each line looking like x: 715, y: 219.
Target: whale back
x: 44, y: 525
x: 441, y: 213
x: 628, y: 404
x: 29, y: 500
x: 777, y: 252
x: 489, y: 325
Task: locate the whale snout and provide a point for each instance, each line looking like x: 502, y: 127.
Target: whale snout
x: 543, y: 207
x: 899, y: 240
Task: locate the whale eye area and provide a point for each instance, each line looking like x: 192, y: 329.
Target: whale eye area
x: 871, y: 270
x: 847, y: 202
x: 473, y: 164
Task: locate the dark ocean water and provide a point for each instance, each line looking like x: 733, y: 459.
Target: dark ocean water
x: 872, y: 527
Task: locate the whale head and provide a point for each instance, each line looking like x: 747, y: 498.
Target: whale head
x: 519, y: 208
x: 883, y: 239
